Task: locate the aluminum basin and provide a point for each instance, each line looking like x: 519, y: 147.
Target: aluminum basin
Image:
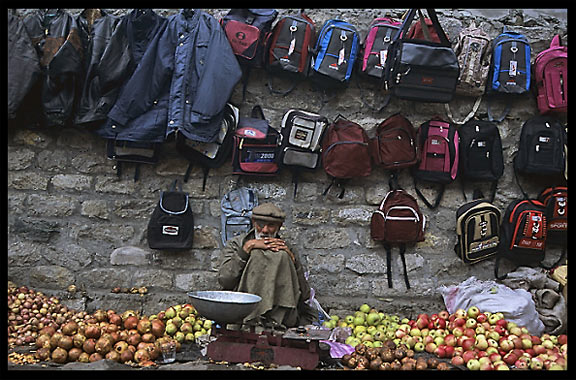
x: 224, y: 306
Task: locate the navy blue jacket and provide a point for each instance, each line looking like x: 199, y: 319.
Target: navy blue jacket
x: 182, y: 83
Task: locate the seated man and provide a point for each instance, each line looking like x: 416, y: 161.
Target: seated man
x: 261, y: 263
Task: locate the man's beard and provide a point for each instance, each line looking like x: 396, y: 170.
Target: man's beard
x: 258, y: 235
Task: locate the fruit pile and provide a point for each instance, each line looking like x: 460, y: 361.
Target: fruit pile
x: 471, y: 338
x: 368, y: 326
x: 389, y: 356
x: 63, y: 335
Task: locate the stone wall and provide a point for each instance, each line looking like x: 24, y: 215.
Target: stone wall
x: 71, y: 220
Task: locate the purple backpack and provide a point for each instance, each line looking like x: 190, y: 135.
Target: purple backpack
x: 381, y: 33
x: 551, y: 75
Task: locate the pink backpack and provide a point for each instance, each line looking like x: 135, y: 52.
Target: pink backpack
x: 381, y: 34
x: 551, y: 76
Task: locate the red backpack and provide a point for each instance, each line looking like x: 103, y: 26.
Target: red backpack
x: 394, y: 145
x: 398, y: 220
x: 551, y: 76
x: 345, y: 152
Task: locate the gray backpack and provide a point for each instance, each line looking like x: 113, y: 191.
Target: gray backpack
x: 236, y: 217
x: 474, y: 52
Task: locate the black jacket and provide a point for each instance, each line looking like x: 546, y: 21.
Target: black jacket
x: 98, y: 26
x: 58, y: 42
x: 117, y: 48
x: 23, y: 64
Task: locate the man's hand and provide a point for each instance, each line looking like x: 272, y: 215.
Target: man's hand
x: 273, y: 244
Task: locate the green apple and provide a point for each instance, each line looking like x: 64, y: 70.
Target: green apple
x: 171, y: 328
x: 419, y: 347
x: 359, y: 321
x: 365, y: 308
x: 373, y: 319
x: 352, y: 341
x: 349, y: 319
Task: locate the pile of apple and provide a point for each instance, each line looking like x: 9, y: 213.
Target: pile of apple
x: 183, y: 323
x: 483, y: 341
x: 367, y: 326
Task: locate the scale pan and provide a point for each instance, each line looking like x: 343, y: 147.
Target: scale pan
x: 224, y: 306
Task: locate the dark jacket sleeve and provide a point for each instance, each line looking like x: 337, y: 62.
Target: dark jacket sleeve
x: 23, y: 64
x: 218, y: 72
x: 148, y: 80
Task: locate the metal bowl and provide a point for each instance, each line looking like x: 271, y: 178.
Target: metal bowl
x: 224, y: 306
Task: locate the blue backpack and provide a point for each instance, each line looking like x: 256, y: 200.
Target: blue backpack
x: 335, y: 53
x: 510, y: 68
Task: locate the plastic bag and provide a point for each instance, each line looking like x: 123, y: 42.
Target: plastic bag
x: 517, y: 305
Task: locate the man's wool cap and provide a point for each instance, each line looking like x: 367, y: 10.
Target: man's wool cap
x: 268, y: 212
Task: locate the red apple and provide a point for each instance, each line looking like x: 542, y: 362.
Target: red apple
x: 468, y: 344
x: 457, y: 360
x: 562, y: 339
x: 440, y: 351
x: 444, y: 314
x: 469, y: 355
x: 495, y: 357
x: 449, y: 351
x: 510, y: 358
x: 459, y: 321
x: 430, y: 347
x: 469, y: 332
x: 481, y: 318
x: 450, y: 340
x: 502, y: 323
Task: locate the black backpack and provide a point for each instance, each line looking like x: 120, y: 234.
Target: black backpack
x: 301, y: 145
x: 478, y: 230
x: 523, y: 234
x: 289, y: 50
x: 481, y: 157
x: 171, y: 225
x: 210, y: 155
x: 256, y: 146
x: 541, y: 147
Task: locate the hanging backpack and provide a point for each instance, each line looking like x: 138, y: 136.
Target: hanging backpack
x: 256, y: 146
x: 345, y: 152
x: 374, y: 49
x: 394, y: 145
x: 510, y: 70
x: 522, y: 234
x: 373, y: 54
x: 438, y: 143
x: 541, y: 148
x: 334, y: 54
x: 171, y: 225
x: 248, y: 30
x: 397, y: 221
x: 473, y: 52
x: 236, y: 216
x: 423, y: 29
x: 301, y: 145
x: 421, y: 70
x: 288, y: 53
x: 551, y: 78
x: 210, y: 155
x: 555, y: 200
x: 481, y: 157
x: 478, y: 230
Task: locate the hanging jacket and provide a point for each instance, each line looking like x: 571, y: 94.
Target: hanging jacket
x: 23, y: 64
x: 182, y: 83
x: 98, y: 26
x: 57, y: 39
x: 122, y: 51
